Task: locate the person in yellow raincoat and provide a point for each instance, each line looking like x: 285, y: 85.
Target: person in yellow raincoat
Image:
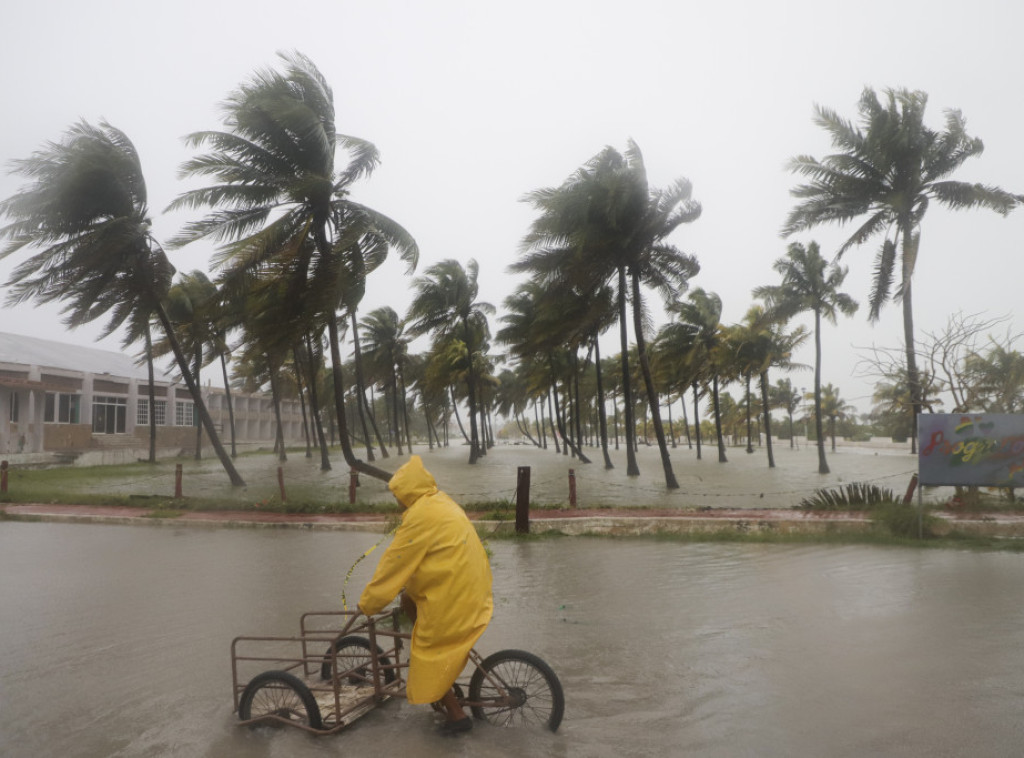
x: 437, y: 557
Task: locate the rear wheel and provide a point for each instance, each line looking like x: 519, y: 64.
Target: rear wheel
x: 533, y: 694
x: 281, y: 695
x: 355, y: 660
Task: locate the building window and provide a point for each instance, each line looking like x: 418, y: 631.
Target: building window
x: 184, y: 413
x: 61, y: 408
x: 109, y: 414
x: 142, y: 412
x: 14, y: 408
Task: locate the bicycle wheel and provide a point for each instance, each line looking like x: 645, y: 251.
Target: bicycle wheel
x: 534, y: 692
x: 278, y: 693
x: 354, y: 657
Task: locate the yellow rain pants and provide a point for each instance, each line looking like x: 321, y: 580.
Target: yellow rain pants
x: 438, y: 558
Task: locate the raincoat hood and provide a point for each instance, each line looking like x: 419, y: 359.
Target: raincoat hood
x: 411, y: 482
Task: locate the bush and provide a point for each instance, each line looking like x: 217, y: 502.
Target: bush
x: 854, y: 496
x: 903, y: 520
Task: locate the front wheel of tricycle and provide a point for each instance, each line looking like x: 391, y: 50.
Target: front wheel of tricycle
x: 533, y: 692
x: 281, y: 695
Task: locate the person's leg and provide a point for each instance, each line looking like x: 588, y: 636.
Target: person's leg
x: 452, y: 706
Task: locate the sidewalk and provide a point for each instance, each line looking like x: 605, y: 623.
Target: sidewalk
x: 621, y: 522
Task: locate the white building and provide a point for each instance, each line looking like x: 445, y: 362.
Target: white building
x: 69, y: 401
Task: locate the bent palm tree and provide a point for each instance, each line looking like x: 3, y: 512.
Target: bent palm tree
x: 446, y: 305
x: 86, y: 214
x: 280, y: 199
x: 890, y: 169
x: 809, y: 283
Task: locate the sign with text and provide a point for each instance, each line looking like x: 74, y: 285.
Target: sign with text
x: 984, y: 449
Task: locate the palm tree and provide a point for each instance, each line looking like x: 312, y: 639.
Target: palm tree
x: 190, y: 305
x: 784, y: 395
x: 606, y: 224
x: 809, y: 283
x: 762, y: 343
x: 279, y: 199
x: 833, y: 407
x: 889, y: 169
x: 997, y: 380
x: 86, y: 214
x: 700, y: 325
x: 446, y: 305
x: 386, y: 351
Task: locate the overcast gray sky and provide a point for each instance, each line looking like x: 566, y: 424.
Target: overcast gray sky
x: 474, y: 104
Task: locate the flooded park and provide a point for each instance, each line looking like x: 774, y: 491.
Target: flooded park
x: 115, y: 640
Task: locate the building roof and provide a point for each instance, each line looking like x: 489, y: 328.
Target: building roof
x: 33, y: 351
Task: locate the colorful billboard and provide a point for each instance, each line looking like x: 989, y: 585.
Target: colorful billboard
x: 984, y: 449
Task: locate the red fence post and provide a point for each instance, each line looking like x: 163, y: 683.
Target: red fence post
x: 523, y: 500
x: 572, y: 488
x: 280, y: 482
x: 177, y: 481
x: 3, y: 476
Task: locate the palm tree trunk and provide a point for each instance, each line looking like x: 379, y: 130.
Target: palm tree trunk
x: 910, y: 245
x: 458, y: 417
x: 199, y: 428
x: 648, y: 380
x: 339, y: 403
x: 538, y: 419
x: 671, y: 426
x: 275, y: 395
x: 405, y: 409
x: 718, y: 420
x: 314, y: 402
x: 204, y: 415
x: 551, y: 422
x: 750, y: 442
x: 822, y: 463
x: 152, y: 393
x: 227, y: 397
x: 696, y: 417
x: 632, y: 469
x: 602, y: 416
x: 357, y: 360
x: 767, y: 418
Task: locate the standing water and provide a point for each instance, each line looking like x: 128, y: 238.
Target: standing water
x: 115, y: 641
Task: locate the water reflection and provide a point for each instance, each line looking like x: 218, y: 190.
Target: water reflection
x: 114, y: 641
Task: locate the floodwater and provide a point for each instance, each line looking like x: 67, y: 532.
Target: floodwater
x: 745, y: 481
x: 115, y: 642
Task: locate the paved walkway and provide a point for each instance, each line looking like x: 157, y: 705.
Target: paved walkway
x: 583, y: 521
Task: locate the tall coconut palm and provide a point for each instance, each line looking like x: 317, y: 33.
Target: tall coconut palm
x: 386, y: 350
x: 762, y: 343
x: 784, y: 395
x: 699, y: 318
x: 605, y: 224
x: 85, y: 214
x: 279, y: 197
x: 997, y: 379
x: 446, y: 305
x: 889, y: 169
x: 834, y: 408
x: 809, y: 283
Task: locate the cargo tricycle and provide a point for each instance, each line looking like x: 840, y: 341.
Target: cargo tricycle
x: 344, y: 664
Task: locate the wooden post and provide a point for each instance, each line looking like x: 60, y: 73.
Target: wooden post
x: 572, y: 488
x: 523, y: 500
x: 280, y: 482
x: 909, y: 497
x: 3, y: 476
x: 177, y: 481
x: 353, y: 482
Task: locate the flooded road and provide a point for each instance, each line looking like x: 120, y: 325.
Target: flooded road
x: 114, y: 641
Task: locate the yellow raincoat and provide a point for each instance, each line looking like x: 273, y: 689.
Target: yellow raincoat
x: 438, y: 558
